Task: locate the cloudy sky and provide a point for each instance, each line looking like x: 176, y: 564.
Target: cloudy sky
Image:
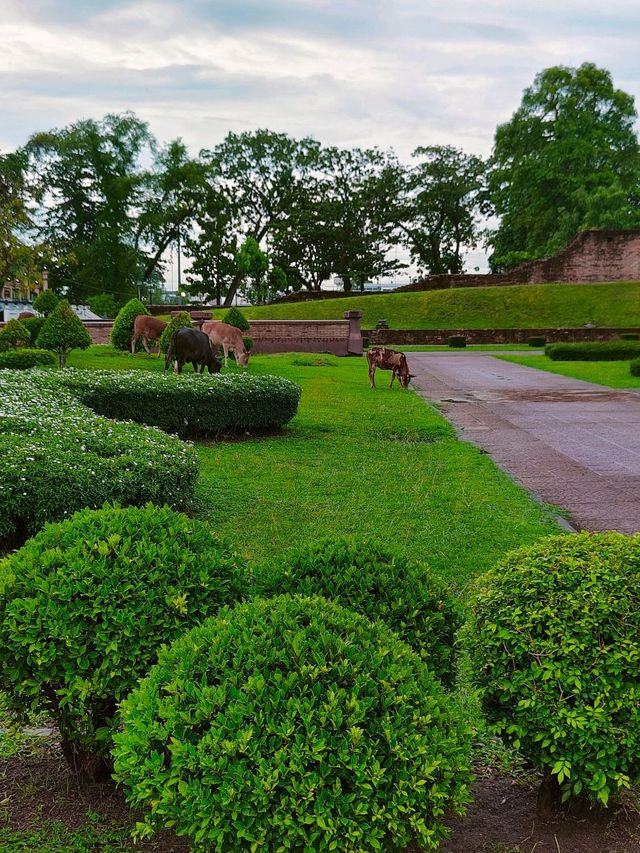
x: 397, y: 73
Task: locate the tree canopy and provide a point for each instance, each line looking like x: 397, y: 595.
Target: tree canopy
x: 568, y: 159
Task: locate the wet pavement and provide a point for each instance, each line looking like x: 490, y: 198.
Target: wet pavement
x: 572, y: 443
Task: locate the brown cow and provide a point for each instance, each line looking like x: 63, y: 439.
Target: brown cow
x: 229, y: 338
x: 389, y: 359
x: 149, y: 329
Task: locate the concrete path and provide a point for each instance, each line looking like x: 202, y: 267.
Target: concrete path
x: 572, y: 443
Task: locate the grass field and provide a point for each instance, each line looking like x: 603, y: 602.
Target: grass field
x: 614, y: 374
x: 380, y: 463
x: 526, y: 306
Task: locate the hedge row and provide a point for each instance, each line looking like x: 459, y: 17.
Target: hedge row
x: 188, y: 404
x: 58, y: 456
x: 594, y: 351
x: 24, y: 357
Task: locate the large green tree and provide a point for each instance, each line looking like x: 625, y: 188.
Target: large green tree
x: 439, y: 212
x: 567, y: 159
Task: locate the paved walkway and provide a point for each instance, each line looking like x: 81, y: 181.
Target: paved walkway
x: 572, y: 443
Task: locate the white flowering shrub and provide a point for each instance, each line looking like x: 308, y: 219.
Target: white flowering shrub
x: 190, y: 404
x: 58, y: 456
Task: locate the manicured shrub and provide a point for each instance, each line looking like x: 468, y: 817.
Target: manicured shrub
x: 635, y: 367
x: 293, y: 724
x: 33, y: 326
x: 63, y: 331
x: 537, y: 341
x: 248, y: 343
x: 630, y: 336
x: 46, y: 302
x: 554, y: 639
x: 15, y: 334
x: 23, y: 358
x: 236, y: 318
x: 58, y: 457
x: 104, y: 305
x: 179, y: 321
x: 368, y: 578
x: 457, y: 341
x: 122, y: 330
x: 594, y: 351
x: 189, y: 404
x: 86, y: 604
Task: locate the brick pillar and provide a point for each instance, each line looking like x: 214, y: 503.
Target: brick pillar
x: 355, y: 335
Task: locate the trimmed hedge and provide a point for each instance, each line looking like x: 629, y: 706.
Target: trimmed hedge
x: 635, y: 367
x: 58, y: 456
x: 457, y: 341
x: 63, y: 331
x: 24, y: 357
x: 86, y: 604
x: 122, y: 329
x: 293, y: 724
x: 630, y: 336
x: 537, y: 341
x: 554, y: 639
x: 366, y: 577
x: 235, y: 317
x: 188, y: 404
x: 594, y: 351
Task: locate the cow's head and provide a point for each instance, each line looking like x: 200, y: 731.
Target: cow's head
x: 242, y: 358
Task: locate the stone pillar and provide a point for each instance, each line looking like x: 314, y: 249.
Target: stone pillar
x: 355, y: 335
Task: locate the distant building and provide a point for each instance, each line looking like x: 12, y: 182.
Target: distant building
x: 17, y: 297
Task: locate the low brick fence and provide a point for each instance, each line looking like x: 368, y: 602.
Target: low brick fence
x: 430, y: 337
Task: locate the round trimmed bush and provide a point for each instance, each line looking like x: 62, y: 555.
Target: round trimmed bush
x: 179, y: 321
x: 46, y: 302
x: 293, y: 724
x: 86, y: 604
x: 63, y: 331
x: 537, y: 341
x: 122, y: 330
x: 366, y: 577
x: 24, y: 357
x: 33, y: 326
x: 457, y: 341
x: 554, y: 639
x: 15, y: 334
x: 236, y: 318
x: 635, y: 367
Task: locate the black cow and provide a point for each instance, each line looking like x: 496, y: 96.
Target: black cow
x: 193, y: 346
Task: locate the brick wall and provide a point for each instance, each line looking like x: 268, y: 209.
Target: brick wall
x: 489, y: 336
x: 335, y: 336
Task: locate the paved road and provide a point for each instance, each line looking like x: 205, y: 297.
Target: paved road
x: 574, y: 444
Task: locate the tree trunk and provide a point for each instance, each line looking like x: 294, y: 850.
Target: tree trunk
x: 233, y: 289
x: 86, y: 765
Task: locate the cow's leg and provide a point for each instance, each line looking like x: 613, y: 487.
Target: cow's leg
x: 393, y: 376
x: 225, y: 350
x: 134, y: 341
x: 145, y: 344
x: 372, y: 375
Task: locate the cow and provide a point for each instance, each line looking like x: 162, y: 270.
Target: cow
x: 149, y: 329
x: 389, y: 359
x: 229, y: 338
x: 193, y: 346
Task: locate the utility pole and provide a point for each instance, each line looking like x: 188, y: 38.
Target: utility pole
x: 179, y: 277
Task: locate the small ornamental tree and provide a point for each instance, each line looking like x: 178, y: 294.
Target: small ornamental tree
x: 62, y: 332
x: 46, y: 302
x: 236, y: 318
x: 104, y: 305
x: 14, y: 335
x: 180, y: 320
x: 122, y: 330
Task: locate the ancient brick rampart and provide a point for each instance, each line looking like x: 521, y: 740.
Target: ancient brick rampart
x: 433, y: 337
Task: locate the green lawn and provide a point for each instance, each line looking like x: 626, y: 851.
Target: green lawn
x: 527, y: 306
x: 380, y: 463
x: 614, y: 374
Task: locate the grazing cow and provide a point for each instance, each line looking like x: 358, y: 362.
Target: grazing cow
x: 229, y: 338
x: 149, y: 329
x: 389, y: 359
x: 193, y: 346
